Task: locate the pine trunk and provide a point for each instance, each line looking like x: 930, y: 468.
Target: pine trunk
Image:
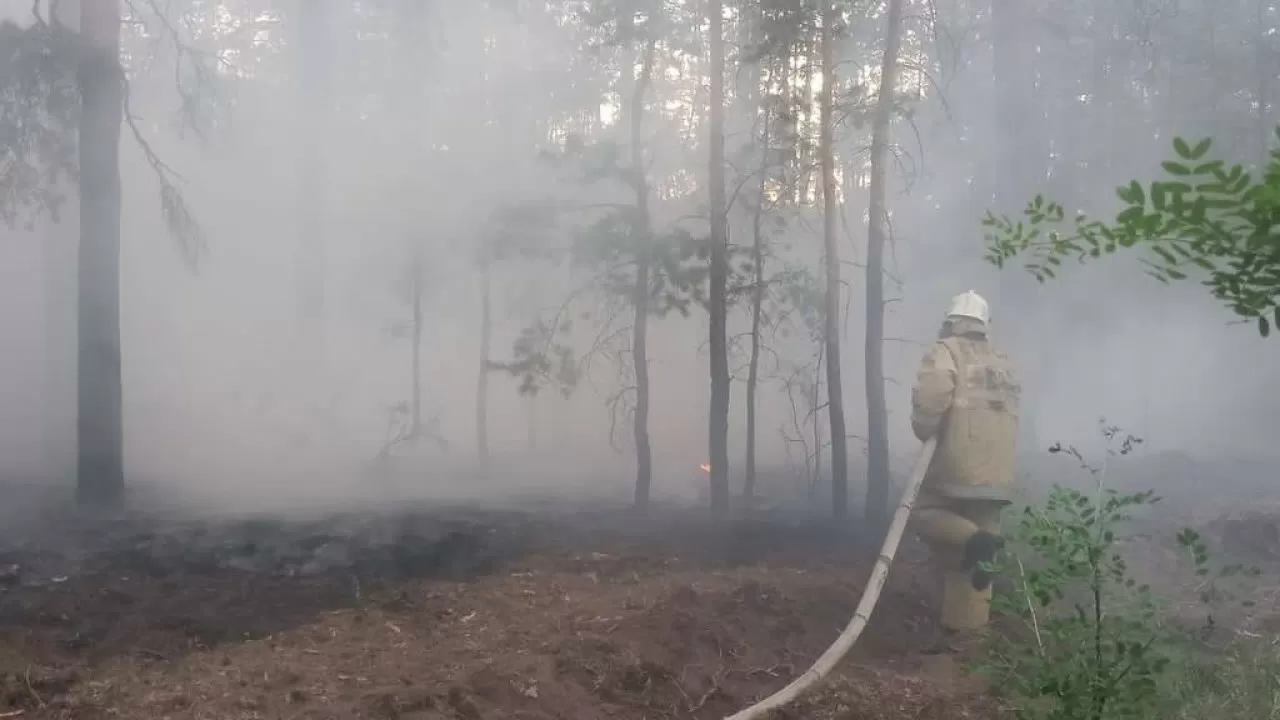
x: 753, y: 113
x: 482, y: 380
x: 877, y: 508
x: 407, y: 108
x: 100, y: 421
x: 1022, y: 165
x: 718, y: 423
x: 642, y: 289
x: 416, y: 355
x: 831, y: 315
x: 312, y: 72
x: 757, y: 307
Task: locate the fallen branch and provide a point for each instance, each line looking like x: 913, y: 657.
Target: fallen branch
x: 702, y: 701
x: 774, y: 671
x: 693, y: 707
x: 26, y: 677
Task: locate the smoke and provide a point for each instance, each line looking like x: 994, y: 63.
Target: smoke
x: 229, y: 395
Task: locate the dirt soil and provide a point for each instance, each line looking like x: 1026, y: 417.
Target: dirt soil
x: 589, y: 615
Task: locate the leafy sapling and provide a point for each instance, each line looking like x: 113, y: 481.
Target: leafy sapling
x: 1082, y: 638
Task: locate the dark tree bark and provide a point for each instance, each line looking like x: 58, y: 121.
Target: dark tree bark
x: 531, y: 423
x: 313, y: 65
x: 1020, y: 172
x: 100, y: 422
x: 718, y: 423
x: 482, y: 381
x: 750, y: 118
x: 1264, y: 73
x: 411, y: 18
x: 831, y: 314
x: 1019, y: 114
x: 757, y: 308
x: 812, y: 54
x: 877, y: 509
x: 415, y: 361
x: 642, y: 289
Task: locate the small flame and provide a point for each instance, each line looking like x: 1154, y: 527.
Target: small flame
x: 705, y: 467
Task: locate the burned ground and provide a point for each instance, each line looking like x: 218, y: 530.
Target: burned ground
x: 452, y: 614
x: 455, y: 612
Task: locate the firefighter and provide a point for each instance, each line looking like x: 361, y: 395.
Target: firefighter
x: 967, y: 395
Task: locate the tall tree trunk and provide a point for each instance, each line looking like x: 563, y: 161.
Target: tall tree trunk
x: 718, y: 423
x: 531, y: 423
x: 752, y: 116
x: 100, y: 421
x: 748, y: 76
x: 877, y: 508
x: 313, y: 62
x: 788, y: 127
x: 416, y: 361
x: 1264, y: 69
x: 757, y: 305
x: 815, y: 398
x: 812, y: 56
x: 482, y: 381
x: 831, y: 315
x: 407, y: 113
x: 642, y: 289
x: 1021, y: 170
x: 1019, y: 115
x: 61, y: 247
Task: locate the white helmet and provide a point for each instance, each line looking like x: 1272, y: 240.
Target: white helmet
x: 970, y: 305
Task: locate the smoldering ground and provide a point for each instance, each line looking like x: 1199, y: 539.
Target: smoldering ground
x: 553, y: 612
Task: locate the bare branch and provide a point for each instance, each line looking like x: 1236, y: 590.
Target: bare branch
x: 177, y: 215
x: 193, y: 103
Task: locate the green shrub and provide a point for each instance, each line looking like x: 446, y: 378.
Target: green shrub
x: 1079, y: 638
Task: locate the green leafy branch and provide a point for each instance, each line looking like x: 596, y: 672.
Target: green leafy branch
x: 1205, y: 217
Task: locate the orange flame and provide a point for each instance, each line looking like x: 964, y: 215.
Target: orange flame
x: 705, y: 467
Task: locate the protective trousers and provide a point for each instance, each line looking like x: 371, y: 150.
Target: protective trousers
x: 947, y: 525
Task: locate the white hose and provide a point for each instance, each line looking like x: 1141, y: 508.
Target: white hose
x: 870, y: 596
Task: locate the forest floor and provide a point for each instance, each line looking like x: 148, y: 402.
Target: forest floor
x: 452, y: 614
x: 457, y: 612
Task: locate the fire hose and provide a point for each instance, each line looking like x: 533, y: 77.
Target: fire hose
x: 823, y: 666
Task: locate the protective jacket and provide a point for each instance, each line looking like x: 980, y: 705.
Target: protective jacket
x: 968, y: 395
